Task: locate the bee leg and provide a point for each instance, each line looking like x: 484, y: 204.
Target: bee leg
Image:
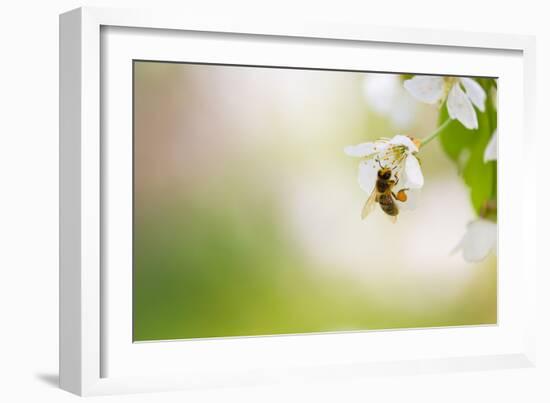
x: 401, y: 195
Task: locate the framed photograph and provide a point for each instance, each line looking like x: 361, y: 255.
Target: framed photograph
x: 250, y: 202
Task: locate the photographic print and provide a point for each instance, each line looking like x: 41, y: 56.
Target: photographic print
x: 273, y: 200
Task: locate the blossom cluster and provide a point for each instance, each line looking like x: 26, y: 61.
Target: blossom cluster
x: 389, y: 96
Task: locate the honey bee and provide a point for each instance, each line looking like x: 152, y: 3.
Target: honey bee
x: 383, y: 195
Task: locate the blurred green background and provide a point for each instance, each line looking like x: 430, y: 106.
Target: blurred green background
x: 247, y: 211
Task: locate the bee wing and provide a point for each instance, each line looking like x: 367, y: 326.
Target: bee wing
x: 369, y: 205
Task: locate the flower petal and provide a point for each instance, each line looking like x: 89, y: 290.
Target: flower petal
x: 367, y: 175
x: 475, y: 92
x: 361, y: 150
x: 480, y: 239
x: 404, y: 141
x: 413, y: 174
x: 428, y: 89
x: 491, y: 149
x: 460, y: 107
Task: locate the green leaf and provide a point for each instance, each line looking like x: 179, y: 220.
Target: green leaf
x: 467, y: 147
x: 455, y: 139
x: 477, y: 174
x: 486, y: 83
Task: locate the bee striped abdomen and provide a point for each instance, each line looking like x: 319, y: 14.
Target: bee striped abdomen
x: 387, y: 204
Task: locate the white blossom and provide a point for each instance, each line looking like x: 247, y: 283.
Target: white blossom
x: 479, y: 240
x: 490, y: 153
x: 396, y: 153
x: 461, y: 94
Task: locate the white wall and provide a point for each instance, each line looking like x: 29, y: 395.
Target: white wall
x: 28, y: 196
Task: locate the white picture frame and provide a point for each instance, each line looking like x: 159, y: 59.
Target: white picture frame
x: 96, y: 355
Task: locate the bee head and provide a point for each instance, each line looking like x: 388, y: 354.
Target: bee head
x: 384, y: 173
